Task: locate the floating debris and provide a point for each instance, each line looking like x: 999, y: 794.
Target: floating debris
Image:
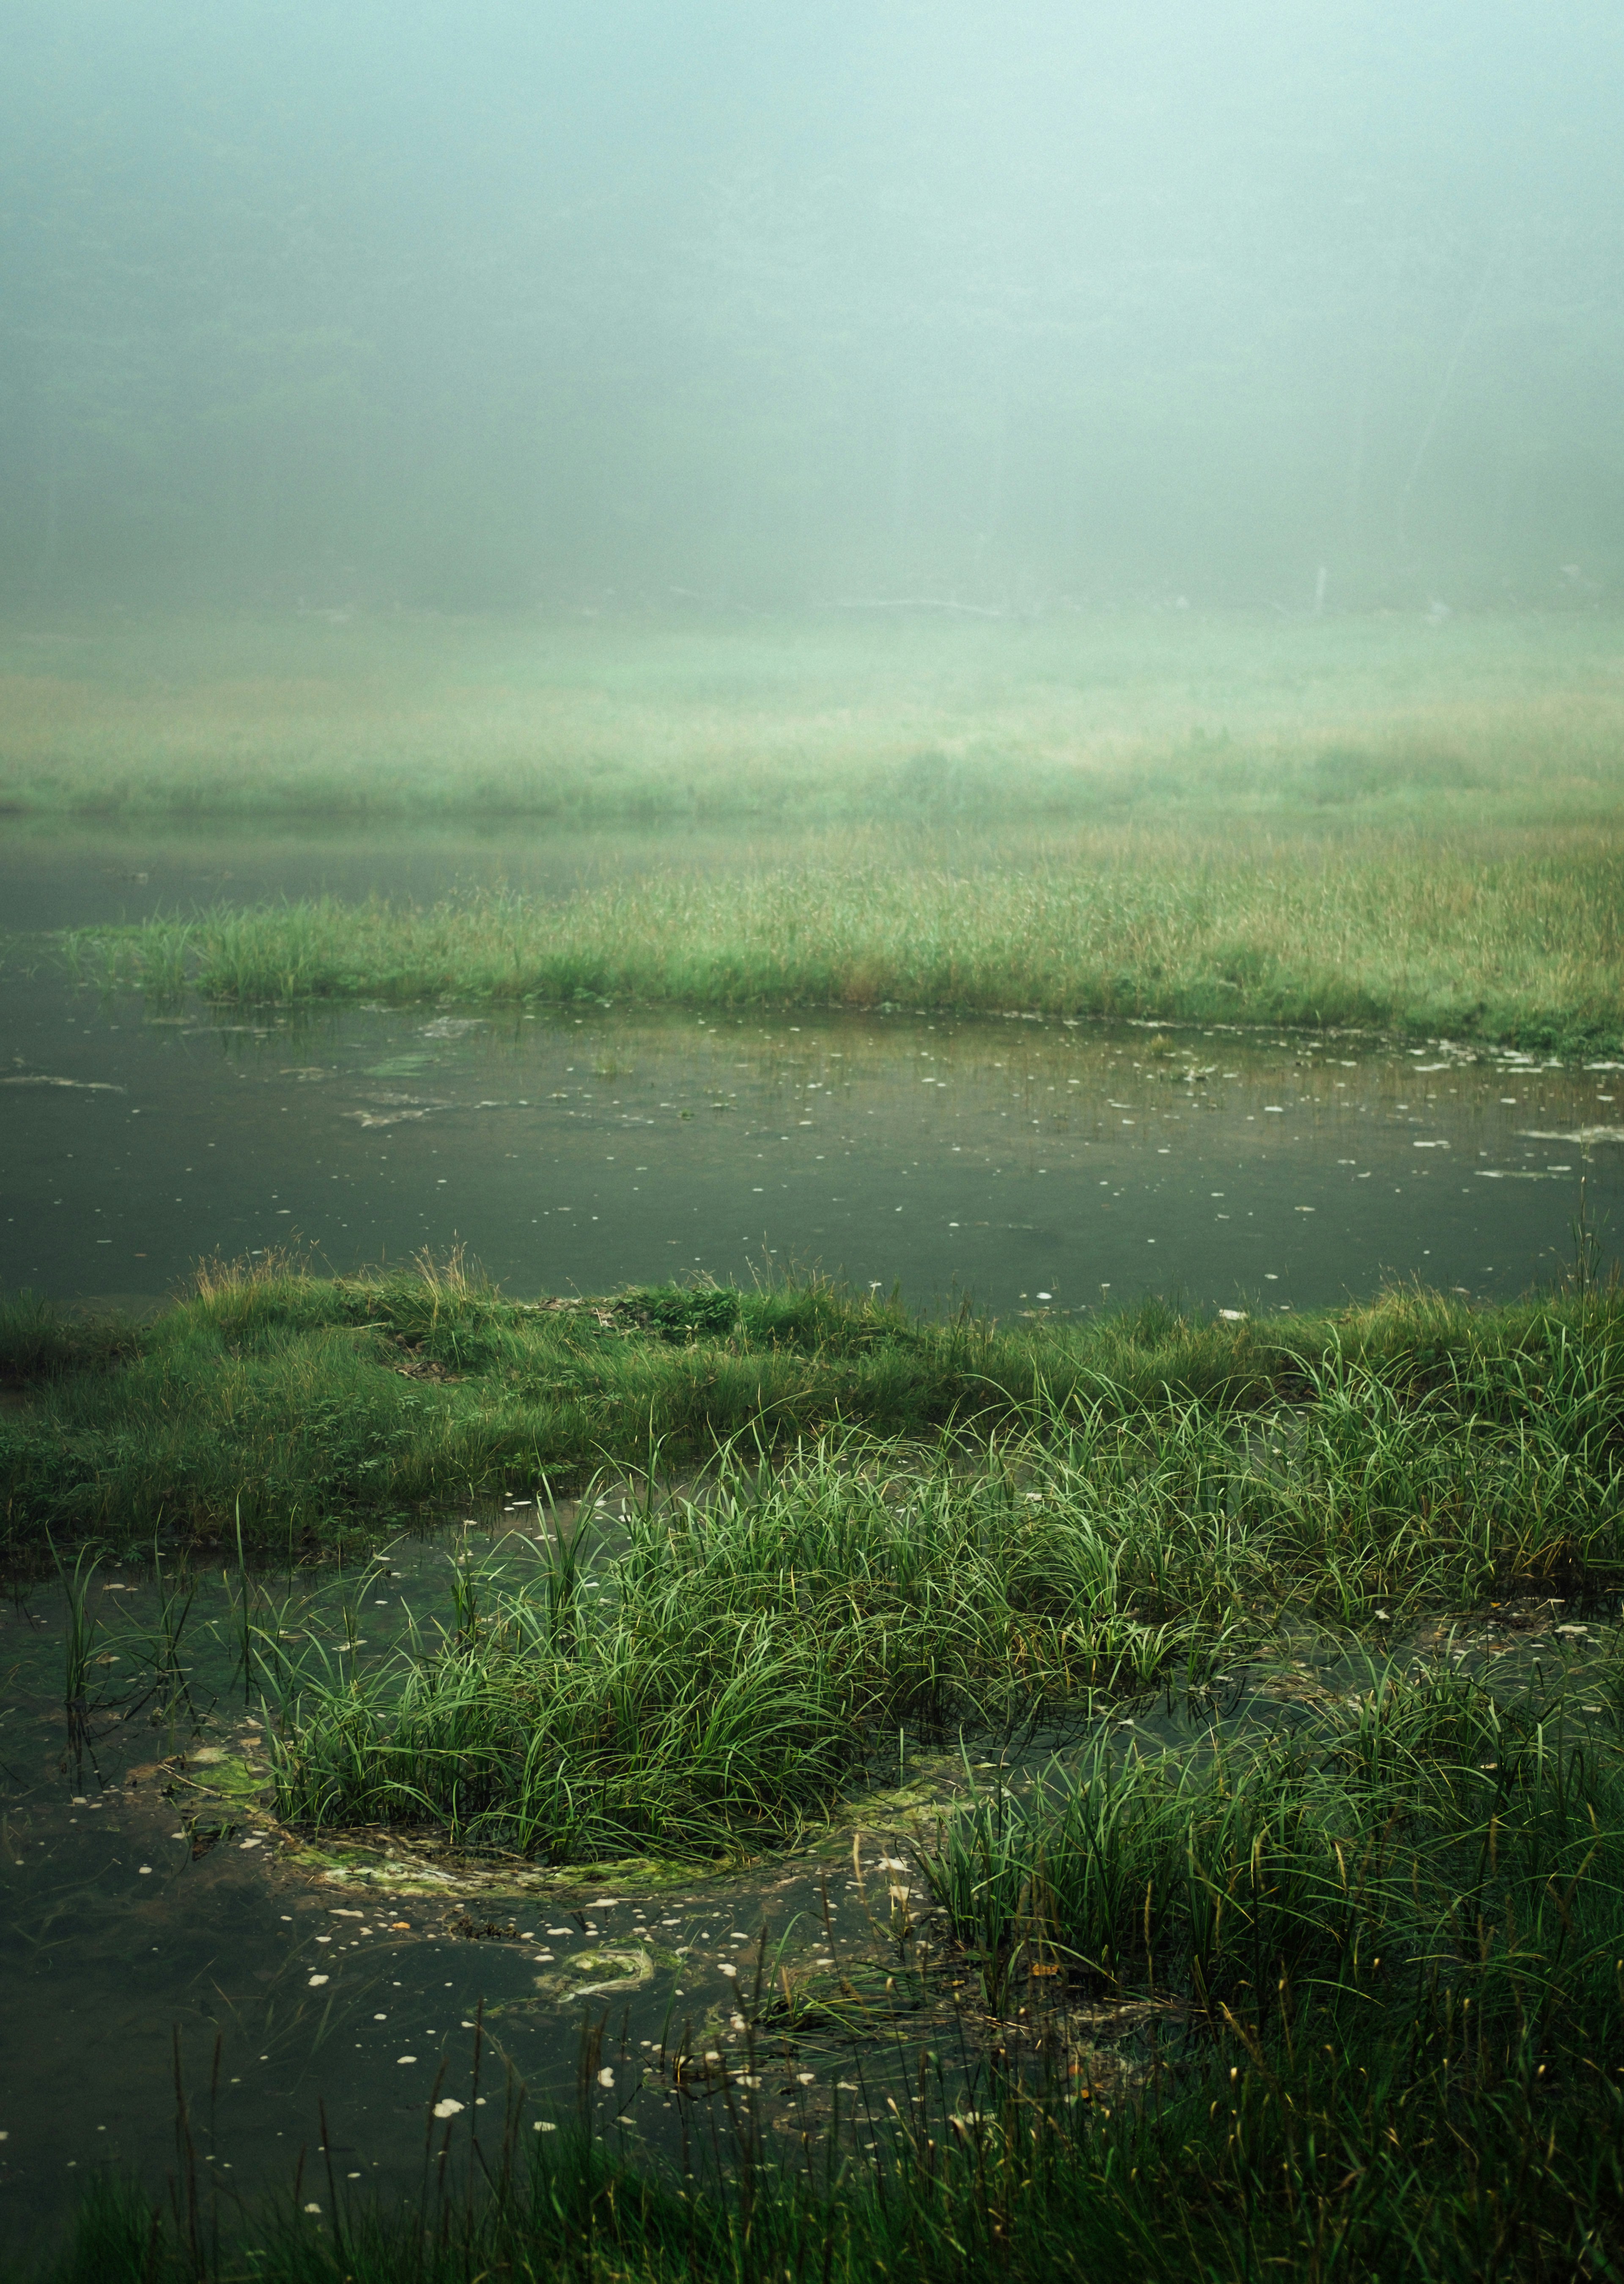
x: 1582, y: 1135
x: 44, y: 1078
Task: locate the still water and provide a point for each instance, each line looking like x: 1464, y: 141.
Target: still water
x: 1031, y: 1164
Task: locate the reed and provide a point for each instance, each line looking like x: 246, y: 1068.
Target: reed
x: 79, y: 1643
x: 1505, y: 934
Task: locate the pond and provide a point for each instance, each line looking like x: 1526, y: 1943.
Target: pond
x: 1029, y: 1163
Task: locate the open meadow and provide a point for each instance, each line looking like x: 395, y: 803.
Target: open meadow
x: 837, y: 715
x: 1379, y: 821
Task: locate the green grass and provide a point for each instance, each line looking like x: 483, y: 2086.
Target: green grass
x: 1372, y: 1941
x: 306, y: 1406
x: 1420, y: 1823
x: 746, y: 1651
x: 1369, y: 822
x: 1379, y: 1966
x: 900, y: 1521
x: 626, y: 719
x: 1512, y: 936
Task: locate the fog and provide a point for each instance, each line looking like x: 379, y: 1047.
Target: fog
x: 501, y: 304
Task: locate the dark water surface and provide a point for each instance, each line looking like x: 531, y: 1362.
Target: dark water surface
x: 1033, y: 1164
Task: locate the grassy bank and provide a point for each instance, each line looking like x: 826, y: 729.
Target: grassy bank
x: 898, y: 1524
x: 1505, y: 935
x: 300, y: 1407
x: 1374, y: 822
x: 826, y: 717
x: 1373, y: 1962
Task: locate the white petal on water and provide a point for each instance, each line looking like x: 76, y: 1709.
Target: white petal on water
x: 449, y: 2109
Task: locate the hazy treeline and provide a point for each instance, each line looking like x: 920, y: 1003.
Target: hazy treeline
x: 835, y: 301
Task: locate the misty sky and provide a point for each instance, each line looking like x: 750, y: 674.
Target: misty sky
x: 779, y: 303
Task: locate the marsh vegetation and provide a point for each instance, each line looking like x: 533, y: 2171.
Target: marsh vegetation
x: 1508, y: 936
x: 1238, y: 1692
x: 1297, y: 1937
x: 1366, y: 822
x: 295, y: 1406
x: 675, y: 650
